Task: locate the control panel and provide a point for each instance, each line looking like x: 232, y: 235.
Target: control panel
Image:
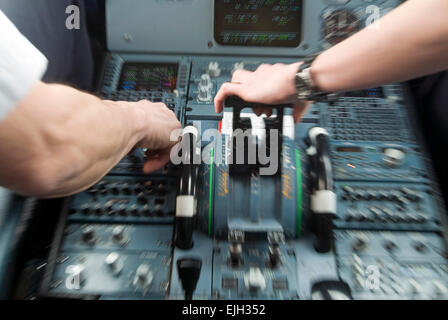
x: 350, y: 205
x: 392, y: 265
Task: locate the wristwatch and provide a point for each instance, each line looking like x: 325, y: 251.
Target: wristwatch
x: 306, y: 88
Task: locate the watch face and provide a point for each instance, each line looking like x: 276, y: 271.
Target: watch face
x: 303, y: 92
x: 303, y: 83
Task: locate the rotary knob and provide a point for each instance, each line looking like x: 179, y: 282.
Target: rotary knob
x: 122, y: 210
x: 149, y: 186
x: 213, y: 69
x: 134, y: 210
x: 92, y: 191
x: 414, y: 287
x: 119, y: 235
x: 360, y: 244
x: 88, y: 235
x: 109, y: 209
x: 115, y: 189
x: 439, y: 289
x: 420, y: 247
x: 158, y: 210
x: 204, y: 94
x: 97, y: 208
x: 126, y: 189
x: 254, y: 280
x: 237, y: 66
x: 236, y: 254
x: 161, y: 189
x: 390, y: 246
x: 139, y: 188
x: 141, y: 198
x: 274, y: 255
x: 114, y: 263
x: 393, y: 157
x: 85, y: 209
x: 143, y: 276
x: 146, y: 211
x: 205, y: 82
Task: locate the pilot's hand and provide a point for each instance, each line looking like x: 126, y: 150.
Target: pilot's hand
x: 159, y: 123
x: 269, y: 84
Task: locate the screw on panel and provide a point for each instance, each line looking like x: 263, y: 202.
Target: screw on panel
x: 127, y: 37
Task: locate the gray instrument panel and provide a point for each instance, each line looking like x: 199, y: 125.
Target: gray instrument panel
x: 186, y: 26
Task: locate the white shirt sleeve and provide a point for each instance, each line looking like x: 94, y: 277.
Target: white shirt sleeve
x: 21, y: 65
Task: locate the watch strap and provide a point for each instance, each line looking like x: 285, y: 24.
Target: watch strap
x: 312, y: 93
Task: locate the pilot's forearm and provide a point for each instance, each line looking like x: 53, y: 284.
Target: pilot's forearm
x: 409, y: 42
x: 59, y: 140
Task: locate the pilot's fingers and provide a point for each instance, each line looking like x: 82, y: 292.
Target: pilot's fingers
x: 299, y: 110
x: 241, y: 75
x: 227, y: 89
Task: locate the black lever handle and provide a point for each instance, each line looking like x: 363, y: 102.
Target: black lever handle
x: 189, y: 270
x: 240, y: 125
x: 186, y: 197
x: 237, y: 102
x: 323, y: 164
x: 323, y: 198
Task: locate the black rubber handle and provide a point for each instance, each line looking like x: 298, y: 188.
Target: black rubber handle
x: 187, y: 187
x: 237, y: 102
x: 323, y: 180
x: 324, y: 170
x: 189, y: 270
